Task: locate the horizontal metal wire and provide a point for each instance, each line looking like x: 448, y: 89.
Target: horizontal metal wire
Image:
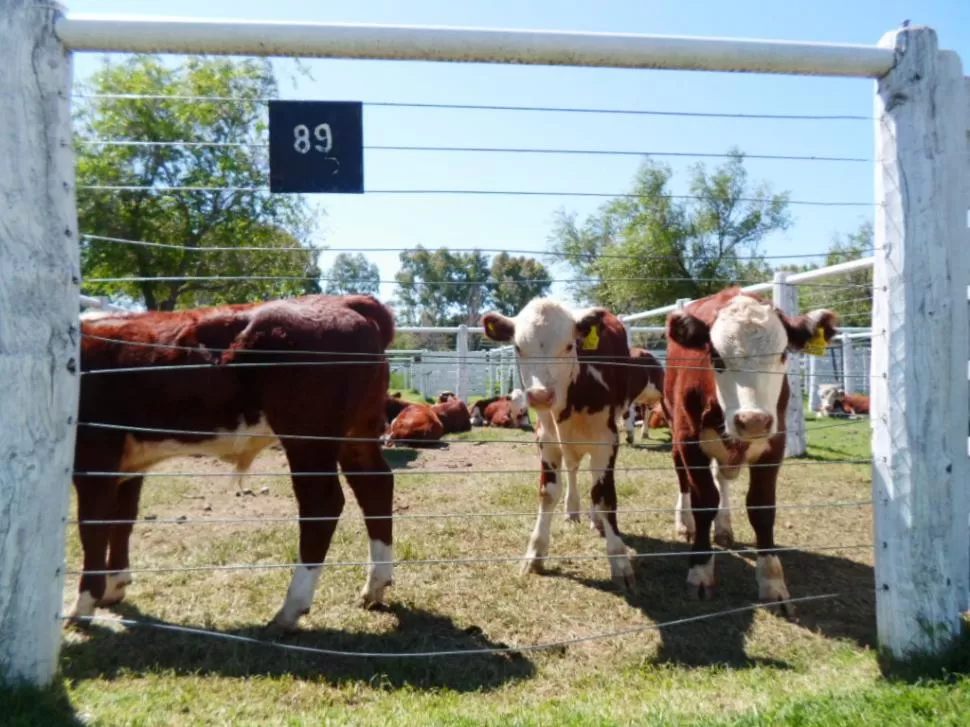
x: 456, y: 471
x: 161, y: 189
x: 489, y: 282
x: 473, y: 442
x: 482, y: 560
x: 496, y: 250
x: 486, y: 107
x: 481, y: 149
x: 462, y: 515
x: 485, y: 651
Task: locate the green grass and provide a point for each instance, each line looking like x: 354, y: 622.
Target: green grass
x: 749, y: 668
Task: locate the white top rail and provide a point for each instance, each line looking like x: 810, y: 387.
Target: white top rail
x: 862, y: 263
x: 155, y: 34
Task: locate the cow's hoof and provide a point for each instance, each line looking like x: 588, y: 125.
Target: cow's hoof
x: 534, y: 565
x: 623, y: 576
x: 724, y: 538
x: 572, y: 518
x: 701, y: 583
x: 274, y: 630
x: 373, y: 598
x: 682, y: 532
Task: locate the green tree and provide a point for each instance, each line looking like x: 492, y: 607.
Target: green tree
x: 849, y: 295
x: 515, y: 281
x: 215, y: 145
x: 650, y: 248
x: 352, y: 274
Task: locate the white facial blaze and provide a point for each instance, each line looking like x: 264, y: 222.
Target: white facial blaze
x: 544, y: 331
x: 750, y: 339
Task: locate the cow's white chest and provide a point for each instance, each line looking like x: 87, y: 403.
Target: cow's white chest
x: 712, y: 444
x: 239, y: 446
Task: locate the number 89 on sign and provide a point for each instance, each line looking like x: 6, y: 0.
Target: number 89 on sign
x: 316, y: 147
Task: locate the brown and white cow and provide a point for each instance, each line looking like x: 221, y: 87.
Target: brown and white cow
x: 417, y: 425
x: 162, y: 385
x: 565, y: 361
x: 510, y: 410
x: 726, y: 395
x: 645, y: 388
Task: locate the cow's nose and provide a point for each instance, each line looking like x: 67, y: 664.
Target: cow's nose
x: 753, y: 423
x: 540, y: 397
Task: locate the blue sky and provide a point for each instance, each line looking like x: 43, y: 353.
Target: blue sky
x: 523, y: 223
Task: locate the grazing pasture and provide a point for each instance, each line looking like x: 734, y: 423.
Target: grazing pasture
x: 714, y: 671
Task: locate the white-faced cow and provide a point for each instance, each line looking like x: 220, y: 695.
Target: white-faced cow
x: 565, y: 362
x: 726, y: 396
x: 228, y: 382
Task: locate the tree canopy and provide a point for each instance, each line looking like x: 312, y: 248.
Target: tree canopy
x: 186, y: 144
x: 445, y: 288
x: 652, y: 247
x: 352, y: 274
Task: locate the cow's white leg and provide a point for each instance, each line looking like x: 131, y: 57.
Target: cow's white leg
x: 380, y: 573
x: 83, y: 606
x: 573, y: 502
x: 629, y: 420
x: 684, y: 526
x: 723, y: 532
x: 550, y: 490
x: 114, y: 590
x: 602, y: 463
x: 701, y: 582
x: 299, y: 596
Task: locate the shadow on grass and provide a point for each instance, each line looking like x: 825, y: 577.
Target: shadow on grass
x: 29, y: 706
x: 399, y: 457
x: 661, y: 595
x: 108, y: 652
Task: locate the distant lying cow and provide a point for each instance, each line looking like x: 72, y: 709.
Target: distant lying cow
x: 417, y: 425
x: 645, y: 385
x: 566, y: 362
x: 151, y: 410
x: 654, y: 419
x: 511, y: 411
x: 453, y: 414
x: 726, y: 394
x: 834, y: 402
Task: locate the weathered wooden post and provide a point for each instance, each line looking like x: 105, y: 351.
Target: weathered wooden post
x: 920, y: 348
x: 39, y: 305
x: 785, y: 298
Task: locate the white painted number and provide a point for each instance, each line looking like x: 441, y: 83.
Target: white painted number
x: 322, y: 133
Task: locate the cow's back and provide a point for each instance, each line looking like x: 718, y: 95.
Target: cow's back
x: 603, y: 370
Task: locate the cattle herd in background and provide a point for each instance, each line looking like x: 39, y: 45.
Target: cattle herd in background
x: 311, y: 374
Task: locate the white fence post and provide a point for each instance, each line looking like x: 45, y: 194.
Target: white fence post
x: 461, y: 348
x: 849, y: 376
x: 39, y: 304
x: 920, y: 349
x: 785, y: 299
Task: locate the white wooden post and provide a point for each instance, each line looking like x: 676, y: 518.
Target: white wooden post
x: 461, y: 348
x: 681, y: 303
x: 849, y: 376
x: 813, y: 400
x: 39, y: 304
x: 785, y: 298
x: 920, y: 348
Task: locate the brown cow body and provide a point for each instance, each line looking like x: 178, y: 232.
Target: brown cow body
x: 726, y: 392
x: 565, y: 364
x: 416, y: 426
x: 221, y: 407
x: 453, y: 414
x: 854, y: 404
x: 644, y: 388
x: 510, y: 411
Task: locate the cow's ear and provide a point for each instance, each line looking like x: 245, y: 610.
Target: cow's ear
x: 817, y: 327
x: 498, y: 327
x: 687, y: 330
x: 589, y: 325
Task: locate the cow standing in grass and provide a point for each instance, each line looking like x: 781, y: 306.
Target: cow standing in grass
x: 229, y: 382
x: 726, y: 396
x: 565, y: 363
x: 645, y: 388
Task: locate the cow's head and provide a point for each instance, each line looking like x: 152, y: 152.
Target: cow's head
x: 829, y: 395
x: 546, y: 334
x: 749, y: 341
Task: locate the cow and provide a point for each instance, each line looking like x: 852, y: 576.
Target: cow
x: 726, y: 395
x: 453, y: 414
x: 446, y: 395
x: 854, y: 404
x: 230, y: 381
x: 654, y: 419
x: 394, y: 405
x: 645, y: 387
x: 416, y: 426
x: 835, y: 402
x: 565, y: 361
x: 828, y: 395
x: 510, y: 410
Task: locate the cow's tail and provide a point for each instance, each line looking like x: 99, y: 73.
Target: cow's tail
x: 372, y: 309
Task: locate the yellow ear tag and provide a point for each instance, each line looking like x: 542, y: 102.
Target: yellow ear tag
x: 490, y: 328
x: 592, y: 340
x: 816, y: 347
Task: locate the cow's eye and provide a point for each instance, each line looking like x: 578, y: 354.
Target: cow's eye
x: 784, y: 357
x: 569, y: 348
x: 716, y: 360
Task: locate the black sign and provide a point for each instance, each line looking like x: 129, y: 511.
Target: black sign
x: 316, y: 147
